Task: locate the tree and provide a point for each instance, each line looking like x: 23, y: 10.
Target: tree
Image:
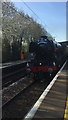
x: 17, y: 28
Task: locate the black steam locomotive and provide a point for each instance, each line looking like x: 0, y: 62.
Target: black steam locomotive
x: 47, y: 56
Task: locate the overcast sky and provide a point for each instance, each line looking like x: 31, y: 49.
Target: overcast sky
x: 52, y: 15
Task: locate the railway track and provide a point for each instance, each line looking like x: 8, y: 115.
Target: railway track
x: 14, y: 89
x: 24, y: 100
x: 13, y: 77
x: 12, y: 73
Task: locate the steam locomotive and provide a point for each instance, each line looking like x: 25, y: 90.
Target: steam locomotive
x: 47, y: 57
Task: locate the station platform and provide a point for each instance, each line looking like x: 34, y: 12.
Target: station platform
x: 53, y: 103
x: 7, y: 64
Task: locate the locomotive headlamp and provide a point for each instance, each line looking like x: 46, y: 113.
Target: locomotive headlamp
x: 40, y: 63
x: 27, y: 64
x: 54, y: 63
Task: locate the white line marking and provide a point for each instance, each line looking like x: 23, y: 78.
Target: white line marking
x: 32, y: 112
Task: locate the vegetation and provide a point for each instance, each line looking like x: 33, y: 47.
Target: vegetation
x: 18, y: 31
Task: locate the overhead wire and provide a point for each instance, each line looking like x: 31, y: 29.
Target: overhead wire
x: 44, y: 26
x: 29, y: 9
x: 33, y: 12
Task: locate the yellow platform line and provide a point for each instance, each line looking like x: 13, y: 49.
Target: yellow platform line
x: 66, y: 110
